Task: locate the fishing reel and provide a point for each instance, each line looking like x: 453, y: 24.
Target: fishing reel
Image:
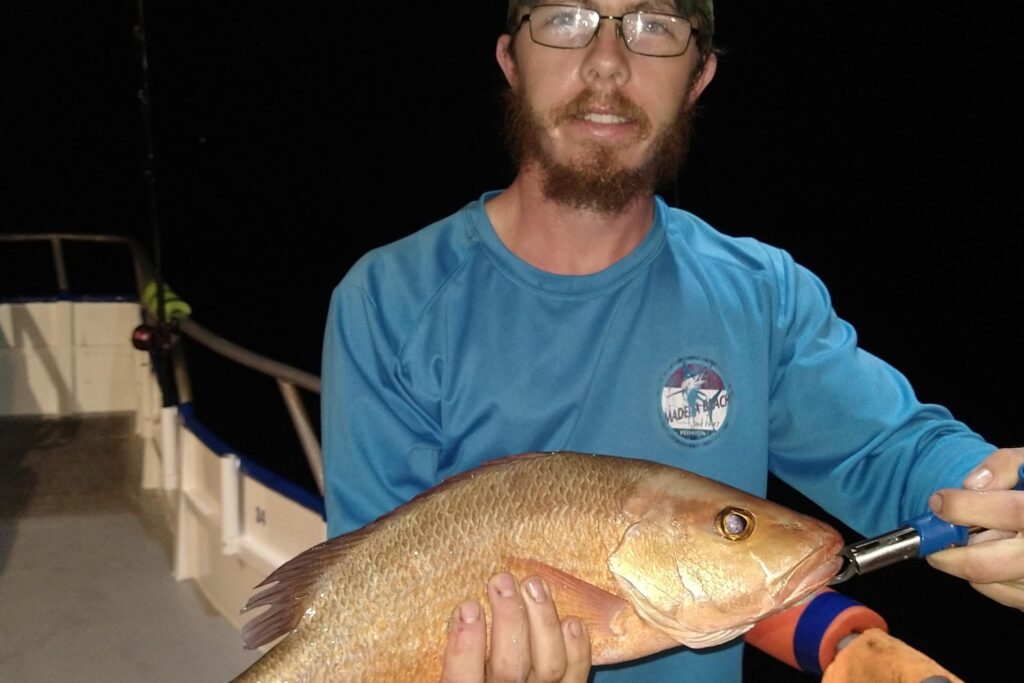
x: 154, y: 338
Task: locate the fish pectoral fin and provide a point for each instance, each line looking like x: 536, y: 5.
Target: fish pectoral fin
x: 617, y: 633
x: 600, y: 610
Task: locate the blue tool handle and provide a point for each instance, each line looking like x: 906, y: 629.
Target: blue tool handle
x: 938, y: 535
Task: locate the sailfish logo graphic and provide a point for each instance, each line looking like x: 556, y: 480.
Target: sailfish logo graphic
x: 695, y: 400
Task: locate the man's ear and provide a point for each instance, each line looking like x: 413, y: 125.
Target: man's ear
x: 703, y: 77
x: 507, y: 61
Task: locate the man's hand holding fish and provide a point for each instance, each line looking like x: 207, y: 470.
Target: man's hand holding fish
x: 529, y: 641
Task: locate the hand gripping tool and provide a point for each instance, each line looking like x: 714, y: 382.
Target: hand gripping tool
x: 918, y: 537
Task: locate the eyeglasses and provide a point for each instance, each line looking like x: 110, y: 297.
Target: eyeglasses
x: 646, y: 33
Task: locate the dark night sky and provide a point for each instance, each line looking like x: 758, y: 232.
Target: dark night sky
x: 881, y: 148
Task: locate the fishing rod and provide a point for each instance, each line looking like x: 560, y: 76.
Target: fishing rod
x: 149, y: 167
x: 159, y: 338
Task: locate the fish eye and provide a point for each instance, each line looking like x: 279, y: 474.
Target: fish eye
x: 734, y: 524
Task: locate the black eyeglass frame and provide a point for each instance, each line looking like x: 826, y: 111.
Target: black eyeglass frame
x: 600, y: 17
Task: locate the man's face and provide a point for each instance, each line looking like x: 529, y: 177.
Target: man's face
x: 604, y: 125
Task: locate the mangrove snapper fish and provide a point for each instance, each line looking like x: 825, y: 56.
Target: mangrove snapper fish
x: 648, y: 556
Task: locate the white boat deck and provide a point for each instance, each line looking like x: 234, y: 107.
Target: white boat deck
x: 86, y: 585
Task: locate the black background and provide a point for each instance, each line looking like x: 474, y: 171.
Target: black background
x: 878, y: 143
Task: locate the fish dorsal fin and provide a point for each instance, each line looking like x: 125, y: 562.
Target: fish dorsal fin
x: 292, y: 582
x: 610, y: 619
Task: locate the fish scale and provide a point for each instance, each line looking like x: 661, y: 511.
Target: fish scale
x: 373, y: 605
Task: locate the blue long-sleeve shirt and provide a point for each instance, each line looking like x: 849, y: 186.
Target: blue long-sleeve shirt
x: 714, y: 354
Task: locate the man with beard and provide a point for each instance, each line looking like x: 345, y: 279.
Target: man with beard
x: 575, y: 310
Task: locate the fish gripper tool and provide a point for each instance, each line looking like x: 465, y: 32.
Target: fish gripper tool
x: 917, y: 538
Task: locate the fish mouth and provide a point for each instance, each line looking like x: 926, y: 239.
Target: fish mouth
x: 813, y: 572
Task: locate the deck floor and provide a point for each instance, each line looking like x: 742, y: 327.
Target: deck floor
x: 86, y: 589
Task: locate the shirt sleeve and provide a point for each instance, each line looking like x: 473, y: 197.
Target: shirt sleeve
x: 380, y: 434
x: 845, y: 427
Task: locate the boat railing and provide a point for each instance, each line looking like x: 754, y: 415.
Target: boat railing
x: 289, y: 379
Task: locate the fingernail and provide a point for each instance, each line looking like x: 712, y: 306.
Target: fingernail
x: 469, y: 612
x: 979, y: 479
x: 575, y: 628
x: 935, y: 503
x: 505, y: 585
x: 536, y: 589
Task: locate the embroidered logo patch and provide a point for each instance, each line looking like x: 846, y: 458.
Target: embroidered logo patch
x: 695, y: 400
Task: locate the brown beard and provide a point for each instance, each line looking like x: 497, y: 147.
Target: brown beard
x: 595, y: 181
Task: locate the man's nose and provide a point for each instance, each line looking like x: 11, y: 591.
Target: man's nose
x: 607, y: 57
